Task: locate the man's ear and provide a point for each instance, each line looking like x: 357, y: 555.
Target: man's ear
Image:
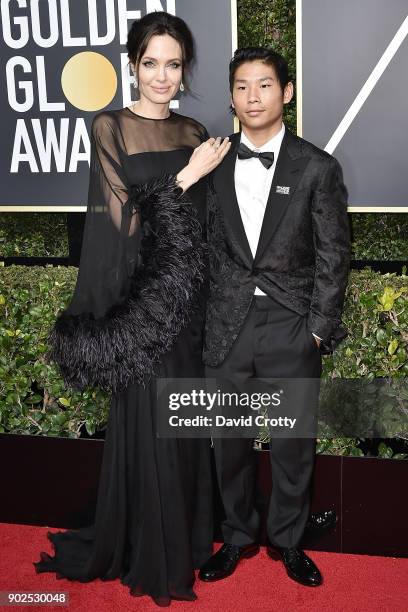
x: 288, y: 93
x: 232, y: 107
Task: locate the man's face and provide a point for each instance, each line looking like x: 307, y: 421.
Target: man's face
x: 257, y: 95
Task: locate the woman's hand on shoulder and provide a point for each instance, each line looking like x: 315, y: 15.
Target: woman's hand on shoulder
x: 209, y: 155
x: 204, y: 159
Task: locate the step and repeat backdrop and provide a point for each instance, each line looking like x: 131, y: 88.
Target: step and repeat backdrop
x: 352, y: 62
x: 62, y: 61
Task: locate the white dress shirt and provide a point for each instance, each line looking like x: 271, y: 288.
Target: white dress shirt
x: 252, y: 185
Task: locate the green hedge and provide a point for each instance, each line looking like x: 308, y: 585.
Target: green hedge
x: 33, y: 398
x: 33, y: 234
x: 375, y: 236
x: 379, y: 236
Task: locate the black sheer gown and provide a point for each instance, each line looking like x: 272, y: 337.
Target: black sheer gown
x: 137, y: 313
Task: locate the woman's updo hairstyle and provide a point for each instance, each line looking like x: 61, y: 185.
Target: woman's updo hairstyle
x: 158, y: 24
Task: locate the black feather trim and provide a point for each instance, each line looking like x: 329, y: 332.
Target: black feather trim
x: 125, y: 344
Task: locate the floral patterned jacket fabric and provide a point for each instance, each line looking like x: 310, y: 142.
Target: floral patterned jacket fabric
x: 303, y: 255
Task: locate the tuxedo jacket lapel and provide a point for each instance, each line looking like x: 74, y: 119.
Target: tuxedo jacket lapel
x: 224, y: 184
x: 289, y: 169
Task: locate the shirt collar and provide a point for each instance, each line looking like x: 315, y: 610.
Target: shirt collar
x: 272, y: 145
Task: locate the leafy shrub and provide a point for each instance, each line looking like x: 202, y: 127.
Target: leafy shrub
x: 34, y: 400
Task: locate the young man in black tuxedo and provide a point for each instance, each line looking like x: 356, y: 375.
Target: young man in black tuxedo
x: 279, y: 259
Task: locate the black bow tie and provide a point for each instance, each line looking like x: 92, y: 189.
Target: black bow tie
x: 265, y: 157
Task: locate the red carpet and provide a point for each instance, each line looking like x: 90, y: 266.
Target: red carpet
x: 351, y: 583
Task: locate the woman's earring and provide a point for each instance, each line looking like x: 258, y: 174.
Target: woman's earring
x: 181, y: 86
x: 135, y: 83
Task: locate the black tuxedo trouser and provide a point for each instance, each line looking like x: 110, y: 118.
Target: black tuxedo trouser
x: 273, y: 342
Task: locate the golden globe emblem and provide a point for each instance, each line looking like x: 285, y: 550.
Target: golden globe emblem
x: 89, y: 81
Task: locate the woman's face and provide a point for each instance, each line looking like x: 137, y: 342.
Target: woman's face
x: 160, y: 70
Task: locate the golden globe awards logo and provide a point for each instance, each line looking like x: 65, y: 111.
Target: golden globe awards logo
x: 97, y: 77
x: 54, y: 76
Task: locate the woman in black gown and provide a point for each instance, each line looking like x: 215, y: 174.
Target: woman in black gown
x: 137, y: 313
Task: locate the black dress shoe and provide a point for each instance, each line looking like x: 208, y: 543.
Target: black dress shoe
x: 225, y: 561
x: 298, y: 565
x: 320, y: 522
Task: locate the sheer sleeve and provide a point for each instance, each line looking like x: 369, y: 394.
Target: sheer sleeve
x: 141, y: 266
x: 112, y: 234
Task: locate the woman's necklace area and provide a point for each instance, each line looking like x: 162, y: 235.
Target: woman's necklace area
x: 134, y: 108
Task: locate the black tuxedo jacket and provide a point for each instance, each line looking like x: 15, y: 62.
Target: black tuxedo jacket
x: 303, y: 254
